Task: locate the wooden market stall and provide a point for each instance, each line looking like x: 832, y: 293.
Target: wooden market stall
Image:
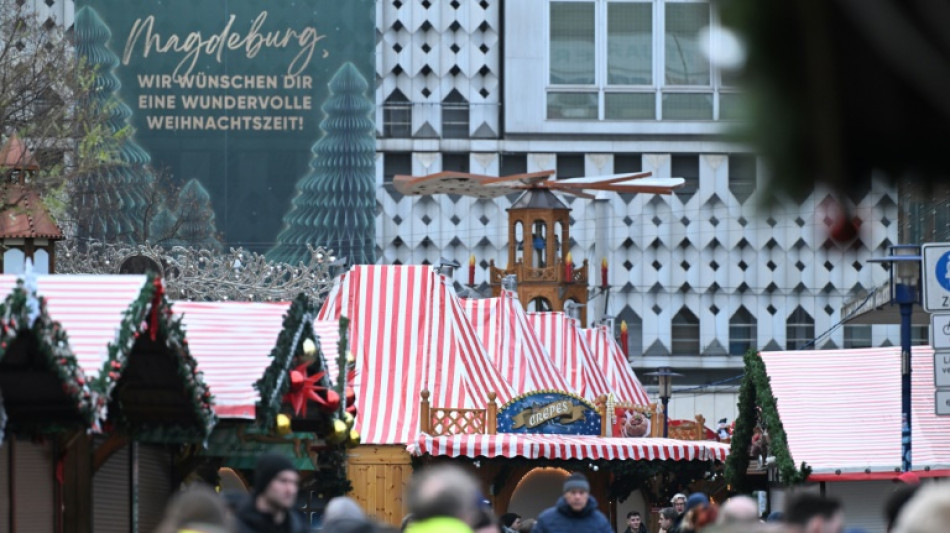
x: 796, y: 428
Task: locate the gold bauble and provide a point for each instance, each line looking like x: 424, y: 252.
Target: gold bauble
x: 283, y: 425
x: 350, y: 360
x: 309, y: 347
x: 339, y: 432
x: 348, y: 419
x: 354, y: 439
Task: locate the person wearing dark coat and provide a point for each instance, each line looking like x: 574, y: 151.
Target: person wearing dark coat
x: 575, y: 512
x: 270, y: 508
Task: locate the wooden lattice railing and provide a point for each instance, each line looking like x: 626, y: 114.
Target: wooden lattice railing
x: 457, y: 421
x: 689, y: 430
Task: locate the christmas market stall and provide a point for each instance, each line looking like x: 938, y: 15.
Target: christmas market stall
x: 835, y: 428
x: 428, y: 384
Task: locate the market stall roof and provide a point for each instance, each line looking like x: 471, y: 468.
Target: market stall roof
x: 408, y: 333
x: 611, y: 361
x: 517, y: 353
x: 572, y: 355
x: 89, y: 307
x: 588, y: 447
x: 841, y: 411
x: 231, y: 341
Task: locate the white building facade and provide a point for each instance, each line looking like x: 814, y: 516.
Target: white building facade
x: 593, y: 87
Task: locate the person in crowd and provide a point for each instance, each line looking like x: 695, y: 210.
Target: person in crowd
x: 575, y: 511
x: 695, y: 500
x: 526, y: 525
x: 443, y: 499
x: 679, y: 503
x: 486, y: 522
x: 738, y: 509
x: 927, y: 512
x: 809, y: 513
x: 635, y: 523
x: 271, y: 506
x: 699, y: 514
x: 895, y: 502
x: 510, y: 522
x: 667, y: 518
x: 344, y: 515
x: 406, y: 520
x: 197, y: 508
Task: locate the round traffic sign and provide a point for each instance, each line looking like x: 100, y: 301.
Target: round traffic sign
x: 943, y: 271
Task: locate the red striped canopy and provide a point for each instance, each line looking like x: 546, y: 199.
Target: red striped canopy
x: 611, y: 361
x: 568, y: 447
x: 89, y: 307
x: 408, y: 332
x: 517, y: 353
x: 572, y: 356
x: 841, y: 409
x: 231, y: 342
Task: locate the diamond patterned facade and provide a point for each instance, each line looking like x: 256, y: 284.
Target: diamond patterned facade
x: 461, y: 86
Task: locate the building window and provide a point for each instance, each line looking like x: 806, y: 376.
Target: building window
x: 455, y: 162
x: 455, y: 116
x: 396, y: 163
x: 742, y: 332
x: 634, y: 60
x: 685, y: 166
x: 685, y: 329
x: 920, y: 335
x: 857, y: 335
x: 799, y: 330
x: 397, y: 115
x: 742, y: 176
x: 513, y: 164
x: 634, y: 332
x: 570, y: 166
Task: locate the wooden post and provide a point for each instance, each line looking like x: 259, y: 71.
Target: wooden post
x: 492, y: 414
x: 604, y: 419
x: 425, y: 419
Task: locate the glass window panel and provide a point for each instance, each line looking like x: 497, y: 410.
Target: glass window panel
x: 742, y: 176
x: 686, y: 64
x: 732, y: 106
x: 919, y: 335
x: 629, y: 44
x: 630, y: 106
x: 685, y: 330
x: 799, y: 330
x: 582, y: 106
x: 685, y: 166
x: 572, y: 43
x: 857, y: 336
x: 742, y: 332
x: 13, y: 261
x: 687, y: 106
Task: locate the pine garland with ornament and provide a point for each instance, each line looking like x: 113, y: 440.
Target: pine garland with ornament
x: 151, y: 314
x: 24, y: 313
x: 757, y: 405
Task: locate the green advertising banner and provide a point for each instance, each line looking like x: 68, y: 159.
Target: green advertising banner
x: 251, y: 119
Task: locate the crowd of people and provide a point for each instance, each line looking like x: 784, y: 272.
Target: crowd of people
x: 446, y: 499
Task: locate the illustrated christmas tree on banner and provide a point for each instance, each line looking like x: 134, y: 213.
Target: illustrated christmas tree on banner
x: 195, y: 226
x: 335, y: 204
x: 108, y: 203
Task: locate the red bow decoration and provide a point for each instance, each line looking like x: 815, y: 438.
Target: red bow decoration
x: 304, y: 388
x: 156, y: 302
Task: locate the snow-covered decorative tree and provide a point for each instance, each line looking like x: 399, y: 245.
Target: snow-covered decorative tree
x: 335, y: 204
x: 108, y: 203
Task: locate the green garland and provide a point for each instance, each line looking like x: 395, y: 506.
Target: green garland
x: 136, y: 322
x: 23, y: 315
x: 756, y: 401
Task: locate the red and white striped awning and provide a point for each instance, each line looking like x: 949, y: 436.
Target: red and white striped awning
x: 611, y: 361
x: 231, y: 342
x: 503, y: 327
x: 567, y: 345
x: 408, y: 332
x: 587, y: 447
x: 89, y: 307
x: 841, y: 410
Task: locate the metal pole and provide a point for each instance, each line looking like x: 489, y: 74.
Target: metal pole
x: 666, y: 416
x: 905, y: 295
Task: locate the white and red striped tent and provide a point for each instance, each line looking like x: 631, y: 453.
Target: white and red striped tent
x: 841, y: 411
x: 571, y: 353
x: 517, y: 353
x: 231, y: 342
x: 89, y: 307
x: 568, y: 447
x: 408, y: 333
x: 611, y: 361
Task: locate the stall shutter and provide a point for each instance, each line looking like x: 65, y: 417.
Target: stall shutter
x: 34, y: 487
x: 5, y: 487
x: 112, y: 495
x: 863, y: 502
x: 154, y: 483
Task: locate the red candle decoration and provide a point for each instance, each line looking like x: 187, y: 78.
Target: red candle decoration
x: 603, y: 272
x: 624, y: 344
x: 471, y: 270
x: 568, y: 268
